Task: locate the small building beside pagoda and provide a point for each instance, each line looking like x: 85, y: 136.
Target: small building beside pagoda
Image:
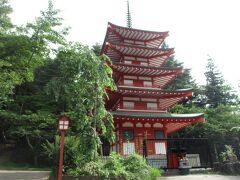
x: 140, y: 105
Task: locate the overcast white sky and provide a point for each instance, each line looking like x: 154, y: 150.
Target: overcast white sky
x: 197, y: 28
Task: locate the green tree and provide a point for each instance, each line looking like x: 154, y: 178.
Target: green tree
x: 216, y: 91
x: 217, y: 127
x: 81, y: 87
x: 182, y: 81
x: 33, y: 129
x: 97, y: 49
x: 5, y: 21
x: 24, y: 49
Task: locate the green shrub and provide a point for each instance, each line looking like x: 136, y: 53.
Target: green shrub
x: 155, y: 173
x: 89, y: 169
x: 114, y: 166
x: 137, y: 168
x: 133, y: 167
x: 228, y: 154
x: 93, y: 169
x: 71, y: 153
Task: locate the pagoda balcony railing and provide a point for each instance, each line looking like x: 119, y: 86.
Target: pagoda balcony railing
x: 137, y: 85
x: 139, y: 108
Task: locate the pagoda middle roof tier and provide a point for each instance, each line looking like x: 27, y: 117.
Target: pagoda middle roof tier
x: 166, y: 98
x: 152, y: 92
x: 134, y: 36
x: 117, y: 51
x: 132, y: 69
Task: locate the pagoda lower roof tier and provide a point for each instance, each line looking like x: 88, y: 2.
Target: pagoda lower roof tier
x: 155, y: 56
x: 134, y: 36
x: 170, y: 122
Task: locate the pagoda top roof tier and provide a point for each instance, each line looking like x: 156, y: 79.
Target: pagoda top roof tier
x: 171, y: 122
x: 152, y: 92
x: 116, y: 51
x: 132, y: 69
x: 134, y: 36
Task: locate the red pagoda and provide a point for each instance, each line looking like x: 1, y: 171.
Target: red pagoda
x: 140, y: 104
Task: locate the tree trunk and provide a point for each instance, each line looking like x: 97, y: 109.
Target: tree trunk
x: 33, y: 151
x: 215, y: 152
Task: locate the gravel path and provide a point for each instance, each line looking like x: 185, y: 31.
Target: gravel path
x: 23, y: 175
x: 201, y: 177
x: 43, y: 175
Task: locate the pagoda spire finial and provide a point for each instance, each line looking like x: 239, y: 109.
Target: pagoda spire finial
x: 129, y: 20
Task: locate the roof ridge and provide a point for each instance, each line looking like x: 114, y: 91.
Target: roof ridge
x: 134, y: 29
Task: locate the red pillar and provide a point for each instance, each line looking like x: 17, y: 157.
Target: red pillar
x: 61, y: 156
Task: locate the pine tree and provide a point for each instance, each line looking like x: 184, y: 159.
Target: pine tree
x: 216, y: 91
x: 182, y: 81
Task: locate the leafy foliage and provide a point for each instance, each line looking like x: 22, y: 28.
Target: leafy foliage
x: 217, y: 126
x: 137, y: 167
x: 228, y: 154
x: 182, y: 81
x: 114, y: 166
x: 23, y: 49
x: 5, y: 21
x: 97, y: 49
x: 81, y: 88
x: 72, y: 154
x: 33, y: 128
x: 132, y: 167
x: 216, y: 91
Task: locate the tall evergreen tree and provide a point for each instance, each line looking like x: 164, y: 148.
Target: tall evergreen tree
x: 216, y: 91
x: 96, y: 48
x: 182, y: 81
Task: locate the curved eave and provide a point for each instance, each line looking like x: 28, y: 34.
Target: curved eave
x: 166, y: 116
x: 145, y: 70
x: 130, y: 50
x: 171, y: 122
x: 152, y: 92
x: 159, y: 34
x: 130, y: 35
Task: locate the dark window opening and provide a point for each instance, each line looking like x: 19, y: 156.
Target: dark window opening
x: 159, y: 134
x: 128, y: 134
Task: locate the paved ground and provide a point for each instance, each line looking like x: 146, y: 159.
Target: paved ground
x: 201, y: 177
x: 23, y: 175
x: 43, y: 175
